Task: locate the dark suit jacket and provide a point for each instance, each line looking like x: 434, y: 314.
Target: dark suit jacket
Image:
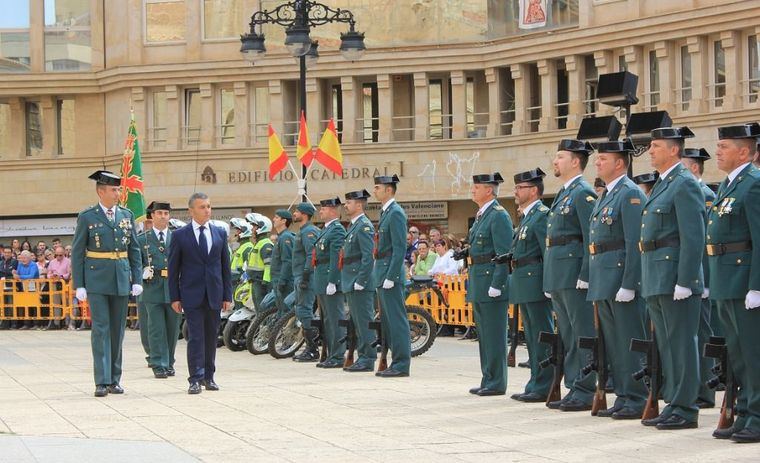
x: 193, y: 274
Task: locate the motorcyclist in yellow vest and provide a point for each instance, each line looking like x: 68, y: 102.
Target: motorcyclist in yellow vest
x: 242, y: 231
x: 259, y: 259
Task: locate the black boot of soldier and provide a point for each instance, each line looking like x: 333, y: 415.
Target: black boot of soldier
x: 311, y: 352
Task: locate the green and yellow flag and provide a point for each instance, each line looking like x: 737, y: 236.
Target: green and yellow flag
x: 132, y: 193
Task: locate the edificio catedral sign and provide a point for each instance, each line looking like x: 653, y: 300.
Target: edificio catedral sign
x: 314, y: 174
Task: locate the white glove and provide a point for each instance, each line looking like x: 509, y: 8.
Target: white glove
x: 136, y: 290
x: 331, y: 289
x: 358, y: 287
x: 81, y: 294
x: 705, y: 293
x: 548, y: 296
x: 752, y: 301
x: 625, y: 295
x: 493, y: 292
x: 147, y: 273
x: 580, y: 284
x: 680, y: 293
x: 388, y: 284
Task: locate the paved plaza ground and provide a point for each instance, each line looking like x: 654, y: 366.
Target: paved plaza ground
x: 277, y: 411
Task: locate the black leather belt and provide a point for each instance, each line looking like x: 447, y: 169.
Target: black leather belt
x: 562, y: 240
x: 606, y: 246
x: 647, y: 246
x: 517, y: 263
x: 482, y: 259
x: 727, y: 248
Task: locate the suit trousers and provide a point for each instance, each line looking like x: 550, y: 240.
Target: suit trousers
x: 491, y: 323
x: 202, y: 333
x: 163, y: 334
x: 362, y: 311
x: 144, y: 322
x: 109, y: 318
x: 395, y: 325
x: 705, y: 363
x: 333, y: 310
x: 537, y: 317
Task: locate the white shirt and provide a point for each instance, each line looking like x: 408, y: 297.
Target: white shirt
x: 612, y: 184
x: 665, y: 174
x: 529, y: 207
x: 165, y: 232
x: 327, y: 224
x: 105, y: 210
x: 445, y: 264
x: 485, y: 206
x: 567, y: 184
x: 736, y: 171
x: 388, y: 204
x: 353, y: 221
x: 206, y: 232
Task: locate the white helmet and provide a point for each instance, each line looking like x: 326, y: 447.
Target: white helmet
x: 238, y: 223
x: 246, y: 233
x: 221, y: 224
x: 263, y: 223
x: 251, y: 217
x: 175, y: 224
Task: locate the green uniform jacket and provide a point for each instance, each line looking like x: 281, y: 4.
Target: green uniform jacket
x: 303, y: 243
x: 675, y: 209
x: 327, y: 247
x: 95, y: 233
x: 709, y: 199
x: 569, y: 216
x: 156, y: 255
x: 391, y: 246
x: 282, y: 259
x: 616, y: 217
x: 526, y: 283
x: 357, y: 255
x: 735, y: 217
x: 490, y: 235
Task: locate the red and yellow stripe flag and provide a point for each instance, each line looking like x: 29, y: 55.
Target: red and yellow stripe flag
x: 278, y: 158
x: 328, y: 152
x: 303, y: 150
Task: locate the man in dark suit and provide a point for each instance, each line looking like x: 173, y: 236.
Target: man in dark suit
x: 200, y: 284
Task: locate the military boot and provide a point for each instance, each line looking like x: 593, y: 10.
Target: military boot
x: 311, y: 352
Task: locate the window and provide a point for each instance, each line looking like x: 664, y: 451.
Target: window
x: 14, y: 36
x: 33, y: 128
x: 336, y: 106
x: 159, y: 118
x: 226, y: 116
x: 370, y: 111
x: 65, y: 114
x: 439, y: 104
x: 67, y: 35
x: 753, y: 50
x: 504, y: 16
x: 5, y: 122
x: 164, y: 21
x: 260, y: 114
x: 192, y: 128
x: 719, y: 73
x: 469, y: 93
x: 654, y: 81
x: 622, y: 63
x: 534, y: 103
x: 685, y: 78
x: 223, y: 19
x: 592, y: 81
x: 507, y: 102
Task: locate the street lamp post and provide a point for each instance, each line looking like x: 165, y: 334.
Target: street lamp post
x: 298, y: 17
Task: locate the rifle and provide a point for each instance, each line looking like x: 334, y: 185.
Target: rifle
x: 651, y: 373
x: 557, y: 359
x: 514, y: 336
x: 319, y: 325
x: 598, y: 363
x: 350, y: 340
x: 716, y: 348
x: 380, y: 343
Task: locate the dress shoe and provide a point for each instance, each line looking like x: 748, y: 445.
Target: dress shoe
x: 555, y: 404
x: 705, y: 404
x: 725, y: 433
x: 210, y: 385
x: 488, y: 392
x: 627, y: 413
x: 171, y: 371
x: 358, y: 368
x: 524, y: 364
x: 608, y: 412
x: 330, y: 364
x: 746, y: 436
x: 159, y: 373
x: 532, y: 397
x: 115, y: 389
x: 195, y: 388
x: 101, y: 390
x: 391, y: 373
x: 475, y: 390
x: 306, y: 356
x: 574, y: 405
x: 676, y: 422
x: 515, y: 396
x: 655, y: 421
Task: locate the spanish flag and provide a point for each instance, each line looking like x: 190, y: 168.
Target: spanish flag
x: 328, y: 152
x: 303, y: 150
x: 278, y: 158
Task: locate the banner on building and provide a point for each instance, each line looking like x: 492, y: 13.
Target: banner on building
x: 533, y: 14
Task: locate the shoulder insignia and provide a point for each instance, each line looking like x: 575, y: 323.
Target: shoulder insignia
x: 635, y: 201
x: 543, y: 208
x: 590, y: 199
x: 498, y: 208
x: 366, y: 229
x: 708, y: 203
x: 310, y: 235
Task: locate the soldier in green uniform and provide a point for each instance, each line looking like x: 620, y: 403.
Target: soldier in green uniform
x: 488, y: 291
x: 672, y: 240
x: 356, y: 278
x: 694, y: 161
x: 282, y: 259
x: 303, y: 279
x: 163, y: 321
x: 260, y: 259
x: 142, y: 311
x: 327, y: 283
x: 733, y: 249
x: 527, y: 280
x: 615, y: 275
x: 106, y: 269
x: 566, y: 269
x: 389, y: 276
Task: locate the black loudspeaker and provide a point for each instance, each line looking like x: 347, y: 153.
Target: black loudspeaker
x: 617, y: 88
x: 595, y: 129
x: 644, y: 123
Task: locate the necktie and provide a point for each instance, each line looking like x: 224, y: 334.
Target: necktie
x: 202, y: 239
x: 109, y: 214
x: 161, y: 237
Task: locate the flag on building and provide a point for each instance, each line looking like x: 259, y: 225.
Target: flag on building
x: 304, y: 151
x: 132, y: 192
x: 532, y: 14
x: 328, y: 152
x: 278, y: 158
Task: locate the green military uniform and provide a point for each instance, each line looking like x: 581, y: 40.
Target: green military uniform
x: 390, y: 250
x: 490, y: 236
x: 672, y: 240
x: 615, y: 264
x: 303, y: 281
x: 142, y: 317
x: 282, y: 265
x: 566, y: 262
x: 526, y: 289
x: 259, y: 268
x: 357, y: 270
x: 105, y: 260
x: 326, y: 273
x: 733, y: 237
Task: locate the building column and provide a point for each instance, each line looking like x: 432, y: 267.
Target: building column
x: 698, y: 103
x: 730, y: 41
x: 605, y: 63
x: 37, y: 36
x: 576, y: 90
x: 493, y: 80
x: 421, y: 106
x: 137, y: 104
x: 135, y: 33
x: 634, y: 57
x: 97, y: 36
x: 17, y: 125
x: 547, y: 70
x: 242, y: 114
x: 314, y: 113
x: 175, y: 118
x: 350, y: 90
x: 522, y: 97
x: 385, y: 108
x: 276, y: 107
x: 208, y: 117
x: 666, y: 65
x: 458, y: 105
x: 49, y: 117
x: 193, y: 31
